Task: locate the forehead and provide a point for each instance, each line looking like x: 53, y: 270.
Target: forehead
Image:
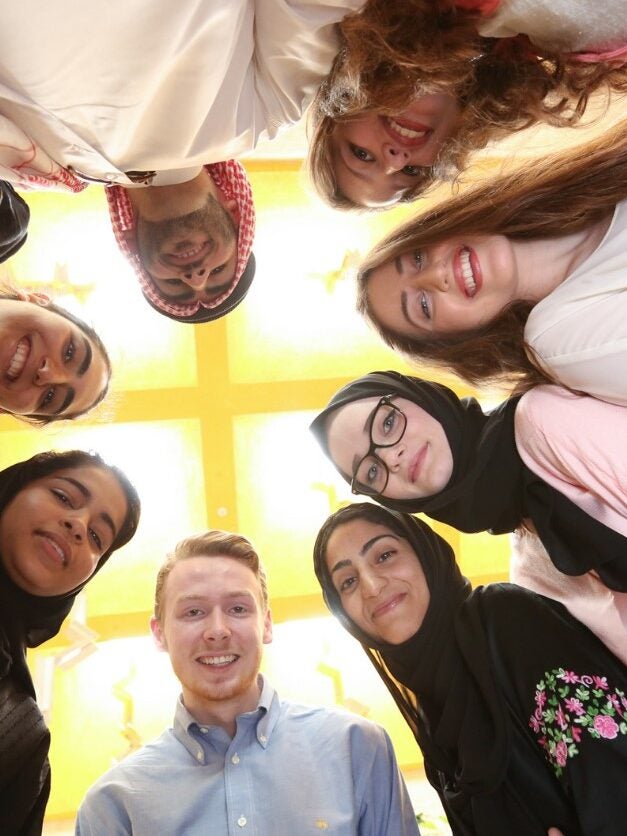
x: 210, y: 577
x: 97, y: 485
x: 348, y: 540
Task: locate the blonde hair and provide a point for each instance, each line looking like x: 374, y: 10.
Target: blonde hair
x: 213, y: 543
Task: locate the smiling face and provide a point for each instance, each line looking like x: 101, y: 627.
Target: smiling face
x: 447, y: 288
x: 379, y: 579
x: 55, y: 530
x: 419, y: 465
x: 191, y: 257
x: 214, y: 625
x: 377, y: 158
x: 48, y: 366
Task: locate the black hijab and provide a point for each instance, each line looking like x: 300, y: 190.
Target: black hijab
x: 446, y: 680
x: 14, y: 217
x: 490, y: 487
x: 27, y: 620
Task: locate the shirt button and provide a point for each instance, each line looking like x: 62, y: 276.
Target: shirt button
x: 110, y: 176
x: 235, y: 759
x: 199, y: 756
x: 242, y: 821
x: 262, y: 738
x: 203, y: 730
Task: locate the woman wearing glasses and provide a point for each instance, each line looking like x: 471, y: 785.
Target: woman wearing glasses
x: 415, y: 446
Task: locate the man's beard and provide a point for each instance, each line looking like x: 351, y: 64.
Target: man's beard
x: 212, y: 219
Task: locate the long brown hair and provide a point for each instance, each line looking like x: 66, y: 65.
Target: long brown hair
x: 393, y: 51
x: 558, y: 195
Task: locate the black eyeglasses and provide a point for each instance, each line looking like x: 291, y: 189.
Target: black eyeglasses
x: 387, y: 426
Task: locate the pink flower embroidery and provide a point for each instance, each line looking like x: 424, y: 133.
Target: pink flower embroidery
x: 561, y: 752
x: 576, y: 733
x: 600, y: 682
x: 540, y: 698
x: 606, y: 726
x: 575, y: 705
x: 561, y: 719
x: 569, y: 676
x: 535, y: 725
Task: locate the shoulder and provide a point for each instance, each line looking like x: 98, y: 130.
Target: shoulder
x: 335, y: 721
x: 145, y: 762
x: 544, y: 411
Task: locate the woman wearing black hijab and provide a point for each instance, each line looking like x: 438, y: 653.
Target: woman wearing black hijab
x: 61, y: 517
x: 518, y: 708
x: 466, y: 470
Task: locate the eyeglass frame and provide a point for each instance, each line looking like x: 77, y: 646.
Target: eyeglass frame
x: 385, y: 400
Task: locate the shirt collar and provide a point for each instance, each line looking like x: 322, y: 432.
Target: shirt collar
x: 268, y: 710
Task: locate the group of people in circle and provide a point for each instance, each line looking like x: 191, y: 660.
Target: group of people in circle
x: 516, y: 694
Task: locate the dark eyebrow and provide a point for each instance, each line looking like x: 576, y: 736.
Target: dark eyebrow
x: 67, y: 401
x: 88, y: 495
x: 341, y: 564
x: 86, y: 359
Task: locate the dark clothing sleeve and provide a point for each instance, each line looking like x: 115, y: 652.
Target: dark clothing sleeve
x: 14, y: 217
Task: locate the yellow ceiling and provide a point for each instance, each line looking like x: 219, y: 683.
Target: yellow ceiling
x: 210, y: 422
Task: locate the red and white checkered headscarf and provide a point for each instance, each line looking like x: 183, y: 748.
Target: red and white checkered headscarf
x: 230, y: 178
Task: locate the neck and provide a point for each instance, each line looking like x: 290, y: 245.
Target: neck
x: 222, y: 712
x: 541, y: 275
x: 158, y: 203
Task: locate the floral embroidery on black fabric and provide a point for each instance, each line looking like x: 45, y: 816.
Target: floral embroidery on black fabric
x: 569, y: 706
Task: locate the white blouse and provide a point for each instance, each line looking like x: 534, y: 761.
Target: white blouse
x: 565, y: 25
x: 163, y: 85
x: 578, y: 333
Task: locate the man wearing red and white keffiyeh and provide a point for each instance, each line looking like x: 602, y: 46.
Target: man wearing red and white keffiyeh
x: 196, y: 266
x: 150, y: 100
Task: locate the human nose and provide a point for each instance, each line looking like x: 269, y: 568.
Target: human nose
x: 216, y: 628
x: 391, y: 456
x: 76, y: 527
x: 394, y: 158
x: 49, y: 372
x: 370, y: 583
x: 195, y: 278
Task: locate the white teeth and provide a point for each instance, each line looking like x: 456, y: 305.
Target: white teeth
x: 406, y: 132
x: 469, y: 277
x: 18, y: 361
x: 57, y: 548
x: 217, y: 660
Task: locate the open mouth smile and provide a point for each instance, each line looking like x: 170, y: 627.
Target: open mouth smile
x: 217, y: 661
x: 54, y: 548
x: 467, y: 272
x: 18, y: 361
x: 188, y: 256
x: 405, y: 133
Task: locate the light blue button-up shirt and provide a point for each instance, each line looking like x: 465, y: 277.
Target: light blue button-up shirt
x: 290, y: 770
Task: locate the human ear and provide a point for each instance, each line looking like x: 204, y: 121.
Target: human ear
x: 157, y: 634
x: 35, y: 297
x: 267, y: 627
